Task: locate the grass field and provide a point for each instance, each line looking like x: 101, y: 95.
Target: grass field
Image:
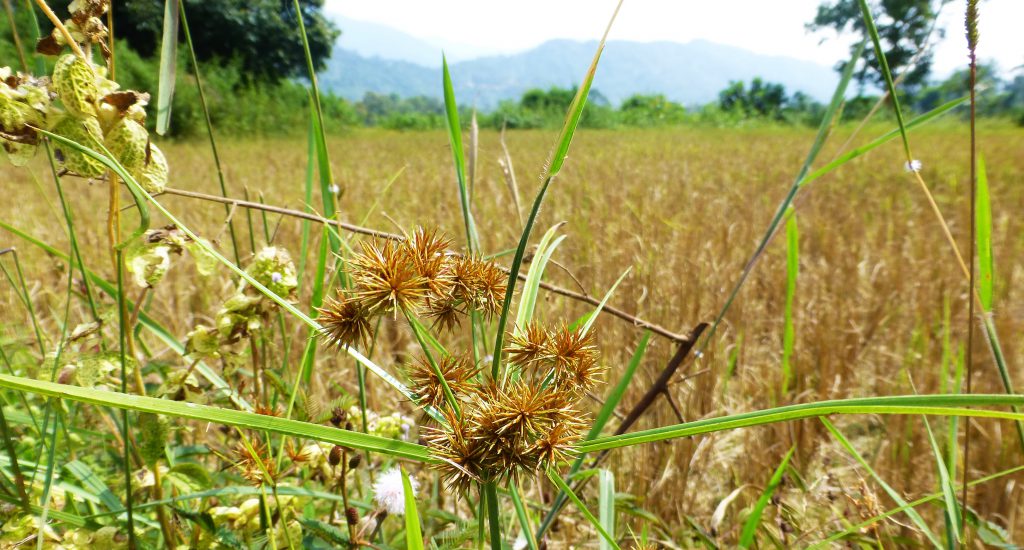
x: 880, y: 306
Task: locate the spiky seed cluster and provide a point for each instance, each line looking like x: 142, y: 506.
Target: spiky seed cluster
x: 567, y: 355
x: 459, y: 372
x: 529, y: 422
x: 255, y: 464
x: 414, y: 276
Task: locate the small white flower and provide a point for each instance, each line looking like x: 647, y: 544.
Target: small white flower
x: 389, y: 493
x: 913, y: 166
x: 276, y: 277
x: 334, y: 189
x: 520, y: 542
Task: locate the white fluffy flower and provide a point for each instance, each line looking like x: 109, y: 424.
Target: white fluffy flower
x: 913, y: 166
x: 389, y: 493
x: 334, y: 189
x: 276, y: 277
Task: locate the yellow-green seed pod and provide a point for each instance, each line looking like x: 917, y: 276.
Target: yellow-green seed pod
x: 75, y: 83
x: 153, y: 175
x: 19, y: 153
x: 85, y: 131
x: 14, y: 116
x: 127, y: 142
x: 152, y: 433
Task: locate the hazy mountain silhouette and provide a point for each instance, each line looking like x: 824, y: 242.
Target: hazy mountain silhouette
x: 375, y: 58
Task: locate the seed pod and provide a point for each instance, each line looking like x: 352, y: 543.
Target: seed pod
x: 351, y: 515
x: 334, y: 458
x: 152, y: 434
x: 153, y: 175
x: 75, y: 83
x: 85, y: 131
x: 355, y: 461
x: 337, y: 416
x: 127, y: 141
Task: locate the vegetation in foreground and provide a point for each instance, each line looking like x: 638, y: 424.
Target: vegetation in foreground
x: 864, y: 299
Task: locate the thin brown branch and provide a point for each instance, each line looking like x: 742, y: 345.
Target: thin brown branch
x: 608, y: 308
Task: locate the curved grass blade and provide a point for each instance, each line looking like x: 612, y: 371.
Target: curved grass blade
x: 948, y: 490
x: 217, y: 415
x: 792, y: 270
x: 458, y: 156
x: 754, y: 519
x: 605, y: 535
x: 168, y: 67
x: 607, y: 296
x: 936, y: 405
x: 531, y: 286
x: 413, y: 533
x: 983, y: 224
x: 557, y: 159
x: 606, y: 505
x: 521, y: 514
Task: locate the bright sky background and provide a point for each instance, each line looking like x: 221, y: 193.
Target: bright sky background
x: 765, y: 26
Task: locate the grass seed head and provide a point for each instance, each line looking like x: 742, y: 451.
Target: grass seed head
x: 345, y: 322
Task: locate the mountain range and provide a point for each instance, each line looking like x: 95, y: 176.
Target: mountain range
x: 375, y: 58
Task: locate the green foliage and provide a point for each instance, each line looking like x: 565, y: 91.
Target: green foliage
x: 258, y: 35
x: 903, y: 26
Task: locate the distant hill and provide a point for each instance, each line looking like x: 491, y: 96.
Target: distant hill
x: 376, y: 58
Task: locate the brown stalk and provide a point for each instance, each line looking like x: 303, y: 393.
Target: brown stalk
x: 971, y: 22
x: 612, y: 310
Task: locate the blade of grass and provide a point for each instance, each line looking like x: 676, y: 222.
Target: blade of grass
x: 606, y: 505
x: 754, y: 519
x: 983, y: 229
x: 413, y: 533
x: 937, y: 405
x: 531, y: 286
x: 458, y: 156
x: 168, y: 67
x: 557, y: 160
x: 952, y: 514
x: 605, y: 535
x: 524, y: 519
x: 241, y: 419
x: 607, y: 296
x: 792, y: 269
x: 893, y: 493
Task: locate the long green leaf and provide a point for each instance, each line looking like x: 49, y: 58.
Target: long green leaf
x: 607, y: 296
x: 946, y: 483
x: 792, y: 270
x: 168, y: 67
x: 937, y: 405
x: 217, y: 415
x: 983, y: 225
x: 561, y: 150
x: 458, y: 155
x: 413, y: 533
x: 606, y: 505
x: 531, y: 286
x: 754, y: 519
x: 605, y: 535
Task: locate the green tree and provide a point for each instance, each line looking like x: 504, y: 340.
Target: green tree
x: 903, y: 27
x: 651, y: 110
x: 261, y: 35
x: 762, y: 99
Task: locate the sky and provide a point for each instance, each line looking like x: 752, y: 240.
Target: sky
x: 774, y: 27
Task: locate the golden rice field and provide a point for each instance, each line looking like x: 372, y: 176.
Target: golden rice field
x: 880, y: 307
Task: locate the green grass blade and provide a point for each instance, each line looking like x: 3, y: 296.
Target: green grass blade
x: 983, y: 225
x: 792, y: 269
x: 597, y: 310
x: 95, y: 485
x: 218, y: 415
x: 937, y: 405
x: 458, y: 156
x: 606, y: 505
x: 893, y: 493
x: 605, y: 535
x: 531, y: 286
x: 561, y: 150
x: 869, y: 23
x: 754, y: 519
x: 952, y: 516
x: 413, y: 533
x: 168, y: 67
x: 914, y: 123
x: 521, y: 514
